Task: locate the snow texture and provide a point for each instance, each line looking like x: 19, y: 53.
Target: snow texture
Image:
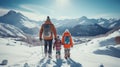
x: 91, y: 54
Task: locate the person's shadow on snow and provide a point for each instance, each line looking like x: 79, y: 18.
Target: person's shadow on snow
x: 73, y: 63
x: 44, y: 63
x: 42, y: 60
x: 58, y: 63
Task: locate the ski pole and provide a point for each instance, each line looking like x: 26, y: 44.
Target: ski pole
x: 42, y: 48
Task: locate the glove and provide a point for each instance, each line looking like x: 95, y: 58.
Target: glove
x: 72, y: 46
x: 40, y: 39
x: 53, y: 48
x: 55, y: 39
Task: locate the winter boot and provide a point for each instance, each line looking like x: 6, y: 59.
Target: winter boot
x: 66, y: 56
x: 58, y: 56
x: 69, y: 55
x: 49, y: 56
x: 45, y: 54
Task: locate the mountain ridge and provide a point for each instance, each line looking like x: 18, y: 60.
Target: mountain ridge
x: 19, y: 20
x: 32, y: 27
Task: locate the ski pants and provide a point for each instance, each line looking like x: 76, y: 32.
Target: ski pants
x: 67, y: 51
x: 48, y: 47
x: 58, y: 52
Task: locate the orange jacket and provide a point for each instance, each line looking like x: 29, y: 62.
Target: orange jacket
x: 67, y: 33
x: 52, y: 29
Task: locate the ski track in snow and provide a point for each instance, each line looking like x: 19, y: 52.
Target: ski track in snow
x: 46, y: 62
x: 35, y: 59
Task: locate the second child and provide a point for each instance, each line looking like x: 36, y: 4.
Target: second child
x: 57, y: 46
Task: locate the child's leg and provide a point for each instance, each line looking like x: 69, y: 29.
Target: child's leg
x: 66, y: 52
x: 57, y: 53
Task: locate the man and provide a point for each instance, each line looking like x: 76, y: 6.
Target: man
x: 46, y: 32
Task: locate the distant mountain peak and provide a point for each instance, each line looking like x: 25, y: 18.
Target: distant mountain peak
x: 12, y: 12
x: 83, y: 17
x: 19, y: 20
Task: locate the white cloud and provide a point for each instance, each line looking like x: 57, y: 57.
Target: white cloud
x: 3, y: 11
x: 32, y: 16
x: 37, y: 15
x: 37, y: 9
x: 60, y: 9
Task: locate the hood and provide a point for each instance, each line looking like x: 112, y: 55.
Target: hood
x: 66, y: 30
x: 67, y: 33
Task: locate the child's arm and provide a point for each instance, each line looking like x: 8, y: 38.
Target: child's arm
x: 54, y: 45
x: 61, y: 42
x: 71, y: 41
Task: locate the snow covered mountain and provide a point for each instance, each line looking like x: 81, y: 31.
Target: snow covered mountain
x: 79, y: 25
x: 29, y: 51
x: 88, y: 30
x: 17, y: 19
x: 73, y: 22
x: 82, y: 27
x: 7, y: 30
x: 109, y: 23
x: 115, y: 24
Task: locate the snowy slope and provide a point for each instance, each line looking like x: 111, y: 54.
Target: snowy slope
x: 82, y: 55
x: 32, y: 57
x: 7, y: 30
x: 103, y: 41
x: 95, y: 53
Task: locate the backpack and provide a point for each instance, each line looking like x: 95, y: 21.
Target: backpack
x: 67, y: 39
x: 47, y: 30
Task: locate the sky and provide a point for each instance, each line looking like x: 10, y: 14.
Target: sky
x: 62, y: 9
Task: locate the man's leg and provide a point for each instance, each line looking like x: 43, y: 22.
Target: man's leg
x: 45, y: 47
x: 50, y: 48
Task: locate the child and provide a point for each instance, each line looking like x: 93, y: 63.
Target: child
x: 67, y: 43
x: 57, y: 45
